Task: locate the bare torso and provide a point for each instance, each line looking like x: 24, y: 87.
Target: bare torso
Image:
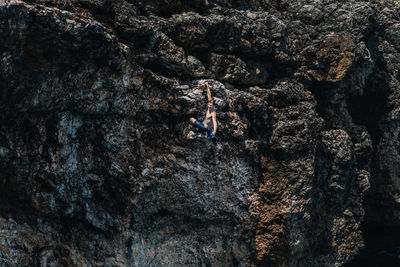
x: 208, y: 120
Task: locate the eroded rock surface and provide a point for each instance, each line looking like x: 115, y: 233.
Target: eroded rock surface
x: 99, y: 165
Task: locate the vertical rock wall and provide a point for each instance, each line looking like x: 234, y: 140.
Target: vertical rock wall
x: 99, y: 165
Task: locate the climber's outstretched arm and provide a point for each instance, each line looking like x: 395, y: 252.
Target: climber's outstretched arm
x: 209, y: 96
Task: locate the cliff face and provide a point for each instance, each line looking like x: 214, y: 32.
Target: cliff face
x: 99, y: 165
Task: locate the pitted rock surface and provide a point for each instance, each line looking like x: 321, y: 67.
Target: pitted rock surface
x: 99, y: 165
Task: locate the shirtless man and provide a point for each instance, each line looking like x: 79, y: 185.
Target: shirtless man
x: 209, y: 125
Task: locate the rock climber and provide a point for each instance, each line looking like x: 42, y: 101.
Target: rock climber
x: 209, y: 124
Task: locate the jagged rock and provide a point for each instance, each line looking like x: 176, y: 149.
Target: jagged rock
x: 99, y: 165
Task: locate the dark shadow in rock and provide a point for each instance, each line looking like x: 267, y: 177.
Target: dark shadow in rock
x: 382, y: 247
x: 369, y: 108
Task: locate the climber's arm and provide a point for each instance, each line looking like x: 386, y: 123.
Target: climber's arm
x: 209, y: 96
x: 214, y: 119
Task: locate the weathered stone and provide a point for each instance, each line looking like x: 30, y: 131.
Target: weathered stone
x: 99, y: 165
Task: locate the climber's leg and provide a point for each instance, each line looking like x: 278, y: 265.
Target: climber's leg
x: 198, y: 124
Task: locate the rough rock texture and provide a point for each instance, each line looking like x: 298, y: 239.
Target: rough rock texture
x: 99, y: 165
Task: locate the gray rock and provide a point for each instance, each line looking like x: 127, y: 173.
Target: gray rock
x: 99, y: 165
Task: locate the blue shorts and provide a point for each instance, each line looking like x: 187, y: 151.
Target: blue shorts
x: 200, y: 125
x: 204, y: 129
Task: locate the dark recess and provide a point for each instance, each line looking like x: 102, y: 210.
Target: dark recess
x: 382, y: 247
x: 369, y: 108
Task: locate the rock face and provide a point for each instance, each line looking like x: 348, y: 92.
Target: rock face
x: 99, y: 165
